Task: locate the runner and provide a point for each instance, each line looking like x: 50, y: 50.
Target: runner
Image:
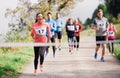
x: 100, y: 24
x: 59, y: 25
x: 111, y: 36
x: 52, y: 24
x: 70, y: 29
x: 38, y: 33
x: 77, y: 33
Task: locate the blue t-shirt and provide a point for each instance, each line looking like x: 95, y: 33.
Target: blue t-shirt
x: 52, y: 24
x: 59, y: 24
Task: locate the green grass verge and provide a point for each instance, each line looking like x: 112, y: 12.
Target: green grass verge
x: 85, y: 33
x: 11, y: 64
x: 117, y: 51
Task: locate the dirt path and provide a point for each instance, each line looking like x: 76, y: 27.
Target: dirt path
x: 80, y: 64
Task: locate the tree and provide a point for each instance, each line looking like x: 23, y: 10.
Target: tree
x: 113, y: 7
x: 22, y: 17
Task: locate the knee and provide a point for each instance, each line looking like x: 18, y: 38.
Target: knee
x: 104, y: 46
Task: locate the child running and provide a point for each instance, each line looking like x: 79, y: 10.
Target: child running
x: 111, y: 36
x: 38, y: 33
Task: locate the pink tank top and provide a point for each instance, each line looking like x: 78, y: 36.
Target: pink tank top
x: 111, y: 33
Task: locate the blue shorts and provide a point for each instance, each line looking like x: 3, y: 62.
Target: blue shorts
x: 59, y: 34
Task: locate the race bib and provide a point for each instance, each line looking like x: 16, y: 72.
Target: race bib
x: 101, y: 25
x: 77, y: 27
x: 71, y: 28
x: 111, y: 33
x: 41, y: 31
x: 58, y: 24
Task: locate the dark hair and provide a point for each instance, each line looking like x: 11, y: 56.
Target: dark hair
x: 57, y: 13
x: 36, y: 16
x: 99, y: 10
x: 49, y: 13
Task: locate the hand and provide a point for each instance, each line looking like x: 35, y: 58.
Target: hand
x: 50, y: 36
x: 96, y: 28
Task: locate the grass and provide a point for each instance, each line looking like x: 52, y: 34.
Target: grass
x: 117, y: 51
x: 88, y: 32
x: 11, y: 64
x: 117, y: 46
x: 118, y: 31
x: 85, y: 33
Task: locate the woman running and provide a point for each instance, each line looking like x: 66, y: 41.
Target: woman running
x: 70, y: 29
x: 38, y: 33
x: 77, y: 33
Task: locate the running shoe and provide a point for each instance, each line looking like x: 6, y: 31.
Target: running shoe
x: 35, y: 72
x: 102, y: 59
x: 41, y: 68
x: 59, y: 49
x: 69, y: 50
x: 46, y: 54
x: 95, y: 55
x: 54, y: 55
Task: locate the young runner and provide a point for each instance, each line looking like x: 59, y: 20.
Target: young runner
x: 111, y: 36
x: 38, y: 33
x: 100, y: 24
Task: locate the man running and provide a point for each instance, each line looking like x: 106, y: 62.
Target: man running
x: 59, y: 24
x: 52, y: 24
x: 100, y: 24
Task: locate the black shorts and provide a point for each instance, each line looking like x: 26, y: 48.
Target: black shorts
x: 59, y: 34
x: 100, y: 38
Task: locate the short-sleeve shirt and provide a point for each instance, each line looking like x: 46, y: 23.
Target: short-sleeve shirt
x: 102, y: 24
x: 59, y: 24
x: 52, y: 24
x: 39, y: 31
x: 111, y: 33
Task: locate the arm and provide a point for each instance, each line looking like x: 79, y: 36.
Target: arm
x: 33, y: 32
x: 80, y: 28
x: 49, y: 32
x: 54, y: 26
x: 93, y: 26
x: 66, y: 27
x: 115, y: 29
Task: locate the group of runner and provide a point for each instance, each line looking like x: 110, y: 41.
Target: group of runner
x: 47, y: 30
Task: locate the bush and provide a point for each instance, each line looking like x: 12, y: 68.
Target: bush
x: 117, y: 51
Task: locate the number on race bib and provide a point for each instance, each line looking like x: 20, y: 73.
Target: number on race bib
x: 71, y: 28
x: 41, y: 31
x: 111, y: 33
